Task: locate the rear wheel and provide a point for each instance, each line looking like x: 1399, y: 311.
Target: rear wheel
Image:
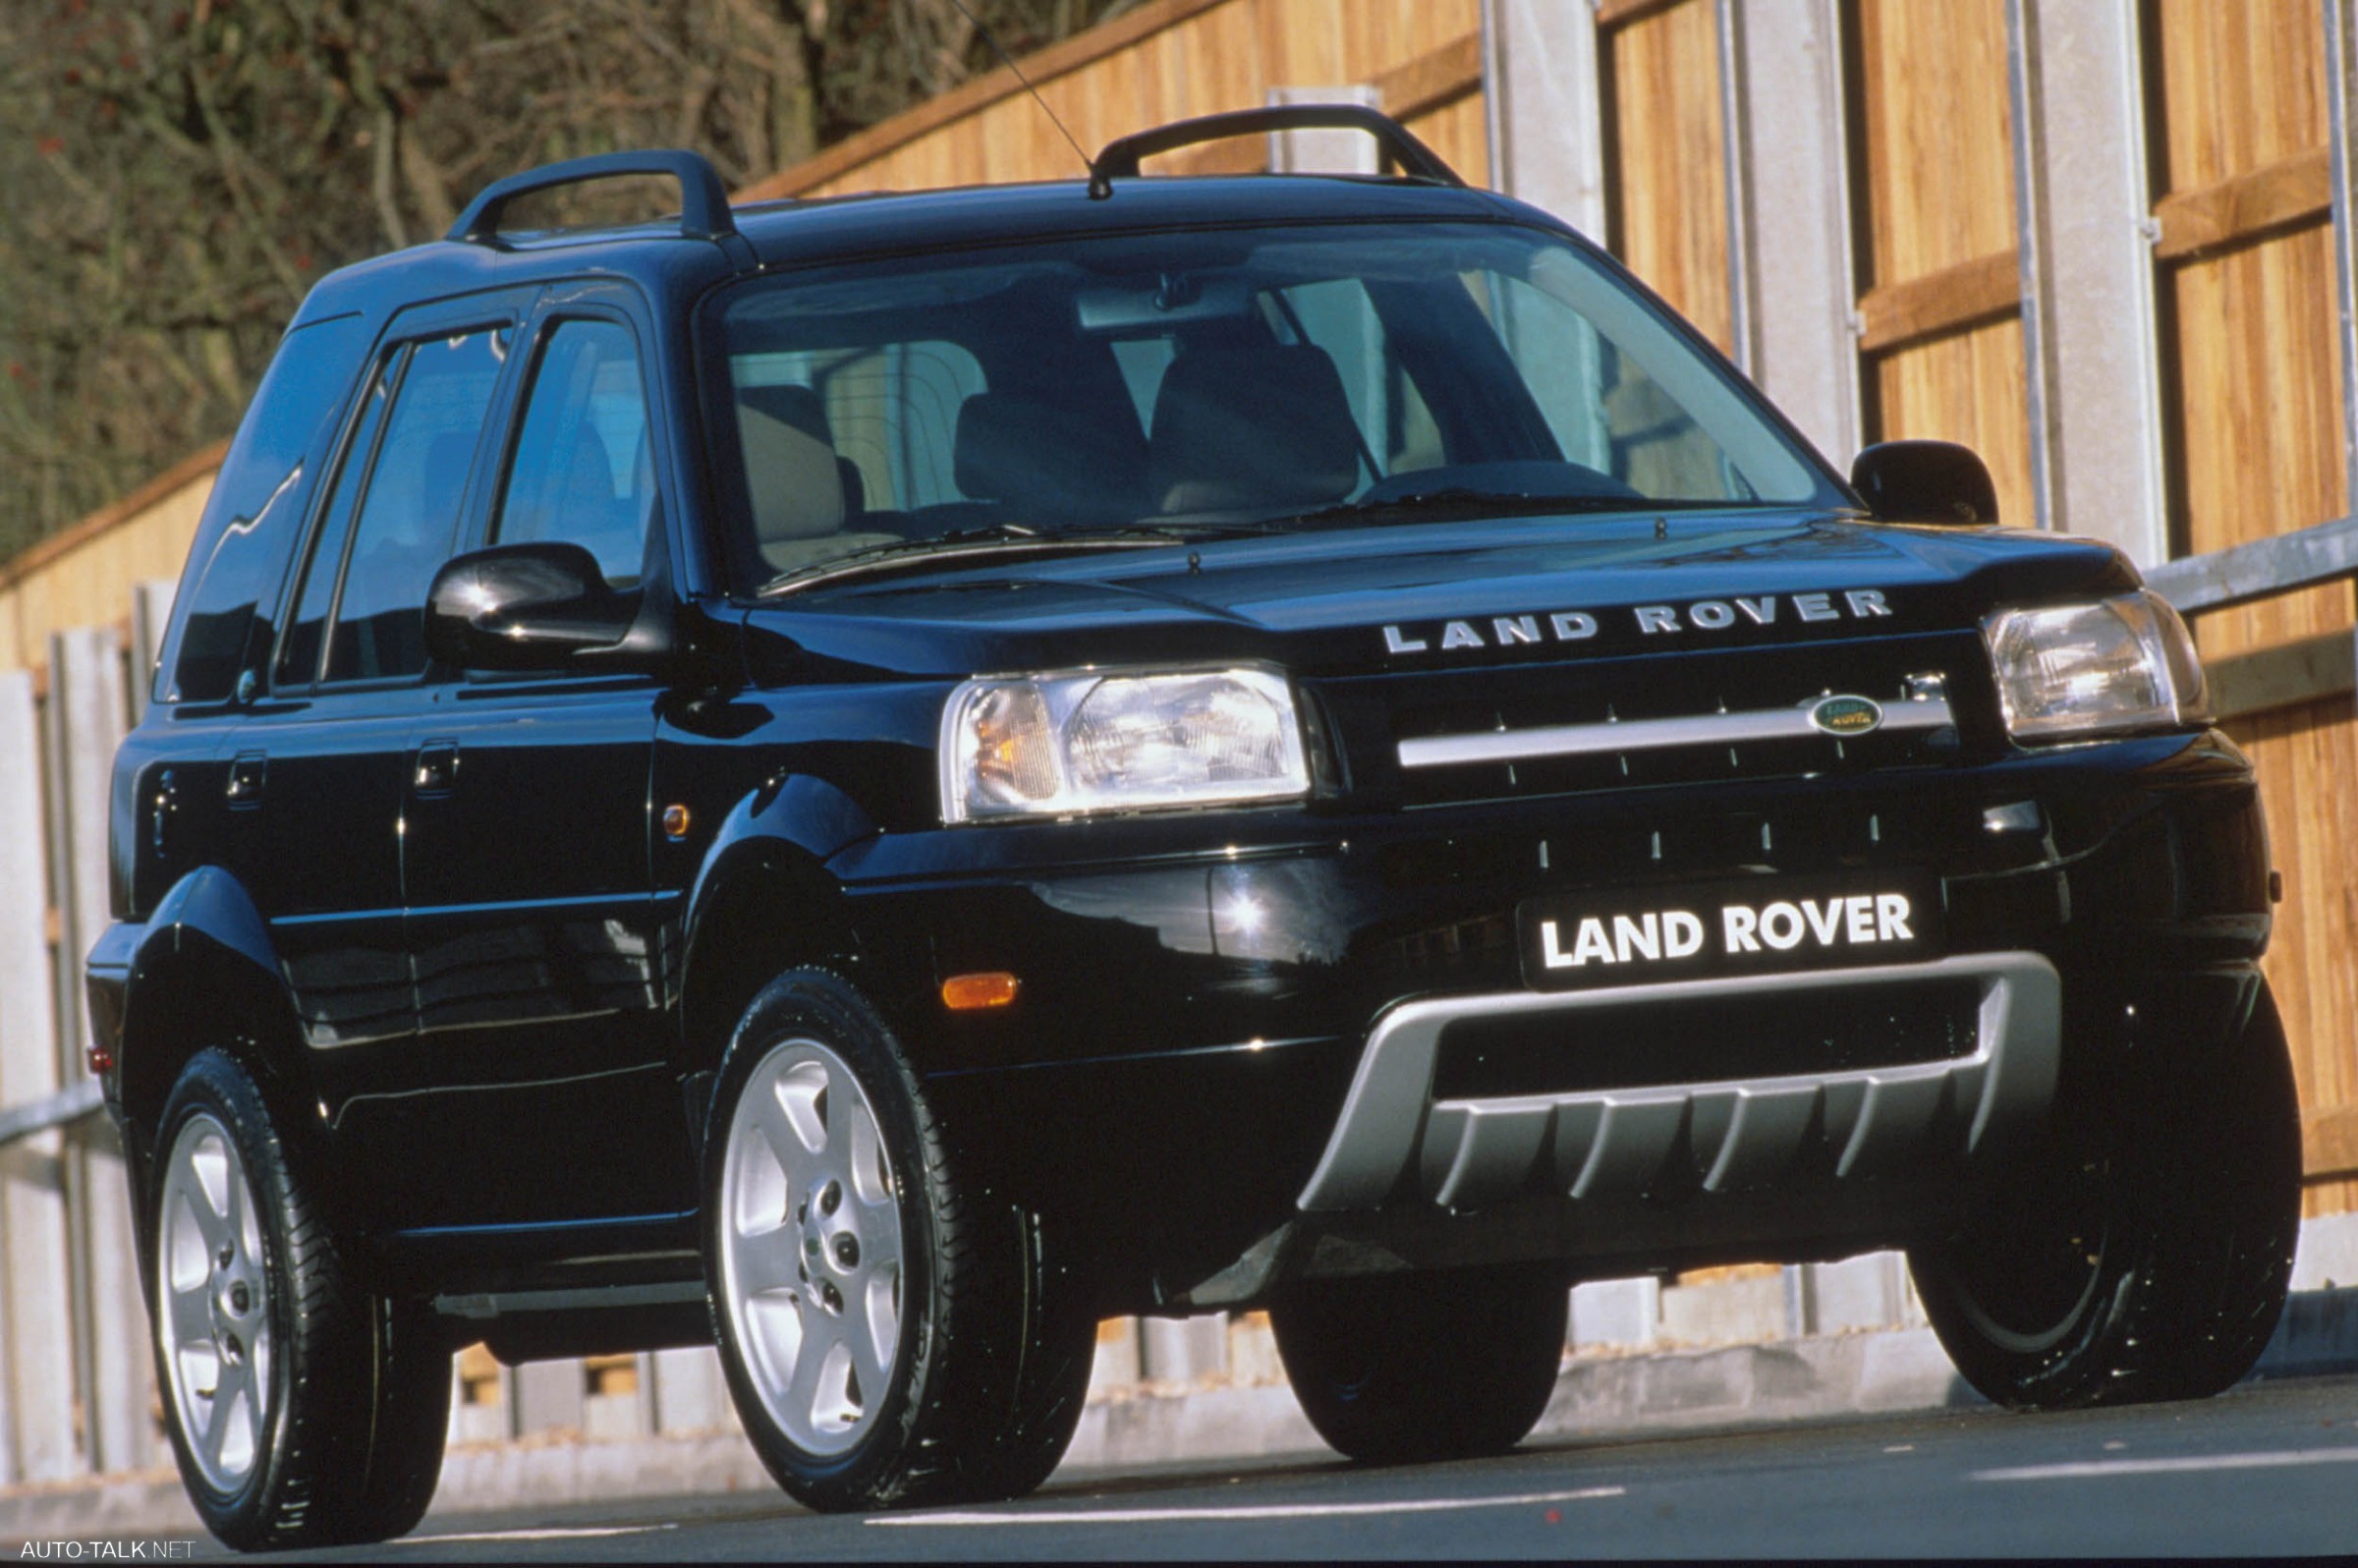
x: 893, y: 1333
x: 303, y: 1410
x: 1396, y: 1369
x: 2136, y: 1254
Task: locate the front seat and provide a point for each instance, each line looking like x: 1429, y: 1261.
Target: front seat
x: 1043, y: 464
x: 794, y: 478
x: 1251, y: 428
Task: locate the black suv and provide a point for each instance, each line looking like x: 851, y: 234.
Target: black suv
x: 877, y: 780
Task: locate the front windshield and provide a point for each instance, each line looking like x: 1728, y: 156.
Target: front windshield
x: 1160, y: 386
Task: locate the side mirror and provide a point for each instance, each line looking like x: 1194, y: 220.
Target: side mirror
x: 1925, y: 481
x: 529, y: 607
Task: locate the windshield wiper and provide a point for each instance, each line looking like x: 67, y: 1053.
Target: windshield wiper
x: 994, y: 540
x: 1456, y: 500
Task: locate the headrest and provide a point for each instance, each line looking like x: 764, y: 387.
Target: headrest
x: 800, y: 407
x: 789, y: 472
x: 1251, y: 427
x: 1041, y: 459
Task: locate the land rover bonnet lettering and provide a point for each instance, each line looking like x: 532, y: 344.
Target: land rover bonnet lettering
x: 1650, y: 620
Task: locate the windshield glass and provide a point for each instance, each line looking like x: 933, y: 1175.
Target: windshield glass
x: 1163, y: 385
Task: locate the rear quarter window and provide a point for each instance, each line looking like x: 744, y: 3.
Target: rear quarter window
x: 255, y: 510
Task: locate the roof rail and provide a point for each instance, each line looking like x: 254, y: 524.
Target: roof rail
x: 704, y: 200
x: 1122, y: 155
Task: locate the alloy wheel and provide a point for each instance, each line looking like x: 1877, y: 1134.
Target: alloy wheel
x: 811, y: 1247
x: 215, y: 1322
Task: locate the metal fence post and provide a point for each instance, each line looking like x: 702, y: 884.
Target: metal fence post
x: 150, y: 611
x: 37, y: 1328
x: 85, y: 724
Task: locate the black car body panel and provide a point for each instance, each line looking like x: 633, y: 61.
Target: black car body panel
x: 449, y: 921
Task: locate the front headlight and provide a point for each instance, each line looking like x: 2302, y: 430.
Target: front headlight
x: 1057, y: 745
x: 2072, y: 671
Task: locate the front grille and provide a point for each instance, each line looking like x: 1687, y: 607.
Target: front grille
x: 1716, y: 1040
x: 1506, y: 732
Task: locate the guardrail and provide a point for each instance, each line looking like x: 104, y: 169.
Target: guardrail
x: 66, y: 1107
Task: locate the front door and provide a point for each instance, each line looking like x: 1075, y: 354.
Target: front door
x: 526, y: 854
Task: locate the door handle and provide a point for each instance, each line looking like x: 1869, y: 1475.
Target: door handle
x: 437, y: 771
x: 248, y: 772
x: 165, y: 804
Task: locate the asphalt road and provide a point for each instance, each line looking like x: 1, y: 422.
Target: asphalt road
x: 2269, y: 1470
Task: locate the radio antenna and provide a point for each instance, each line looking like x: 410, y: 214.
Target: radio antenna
x: 1008, y: 60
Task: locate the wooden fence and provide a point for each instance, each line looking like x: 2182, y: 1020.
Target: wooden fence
x: 1985, y: 188
x: 2235, y: 304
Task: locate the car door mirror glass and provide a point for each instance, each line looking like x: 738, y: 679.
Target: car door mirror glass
x: 524, y: 608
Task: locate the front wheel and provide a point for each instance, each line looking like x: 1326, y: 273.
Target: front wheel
x: 2138, y: 1252
x: 893, y: 1333
x: 303, y: 1410
x: 1396, y: 1369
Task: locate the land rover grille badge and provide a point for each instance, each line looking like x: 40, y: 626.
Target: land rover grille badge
x: 1845, y: 715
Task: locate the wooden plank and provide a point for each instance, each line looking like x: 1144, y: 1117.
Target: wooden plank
x: 2286, y: 675
x: 2255, y: 420
x: 2242, y: 85
x: 2298, y: 190
x: 197, y: 466
x: 1669, y: 187
x: 1623, y: 13
x: 1235, y: 156
x: 1960, y: 296
x: 1936, y: 164
x: 2329, y: 1143
x: 911, y: 124
x: 87, y: 714
x: 1431, y: 81
x: 1965, y: 386
x: 1460, y: 133
x: 37, y: 1326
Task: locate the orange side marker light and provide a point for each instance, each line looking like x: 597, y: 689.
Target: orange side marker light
x: 966, y: 993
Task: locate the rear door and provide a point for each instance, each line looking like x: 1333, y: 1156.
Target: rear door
x: 526, y: 841
x: 316, y: 782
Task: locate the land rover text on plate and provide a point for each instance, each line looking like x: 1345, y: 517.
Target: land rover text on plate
x: 875, y: 781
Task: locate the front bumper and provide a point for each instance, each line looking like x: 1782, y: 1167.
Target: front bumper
x: 1471, y: 1154
x: 1213, y: 1047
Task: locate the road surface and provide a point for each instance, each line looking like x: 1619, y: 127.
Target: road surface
x: 2269, y: 1469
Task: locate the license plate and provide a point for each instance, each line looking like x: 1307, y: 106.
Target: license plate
x: 1756, y: 924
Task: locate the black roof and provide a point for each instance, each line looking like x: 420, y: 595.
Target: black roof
x: 787, y: 233
x: 795, y: 233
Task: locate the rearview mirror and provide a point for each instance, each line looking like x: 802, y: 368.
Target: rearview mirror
x: 529, y: 607
x: 1925, y: 481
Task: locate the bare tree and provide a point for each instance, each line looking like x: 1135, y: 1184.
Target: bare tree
x: 178, y: 171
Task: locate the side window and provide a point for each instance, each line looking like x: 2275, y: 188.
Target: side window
x: 409, y: 506
x: 245, y: 538
x: 582, y: 470
x: 299, y: 654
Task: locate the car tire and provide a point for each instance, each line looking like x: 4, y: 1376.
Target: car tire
x: 1398, y: 1368
x: 895, y: 1332
x: 2139, y: 1255
x: 303, y: 1410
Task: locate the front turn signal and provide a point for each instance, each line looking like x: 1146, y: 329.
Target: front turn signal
x: 967, y: 993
